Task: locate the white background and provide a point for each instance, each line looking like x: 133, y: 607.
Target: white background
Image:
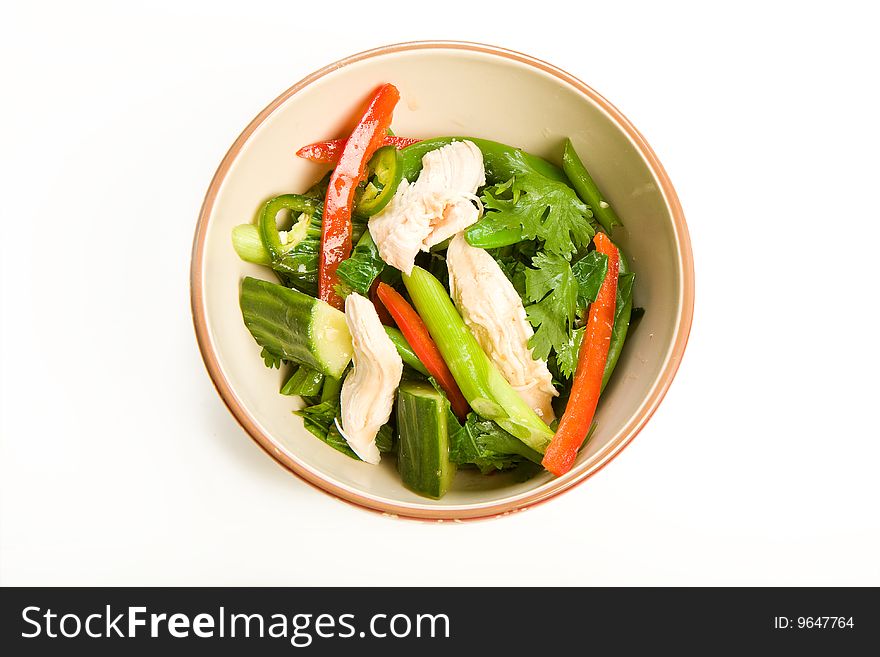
x: 120, y: 464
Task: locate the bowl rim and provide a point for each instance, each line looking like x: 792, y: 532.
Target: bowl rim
x: 448, y: 512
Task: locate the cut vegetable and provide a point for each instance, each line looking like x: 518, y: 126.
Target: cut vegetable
x: 586, y: 188
x: 293, y: 254
x: 622, y: 315
x: 587, y: 383
x: 296, y: 327
x: 304, y: 382
x: 328, y: 152
x: 360, y: 270
x: 417, y: 335
x: 423, y: 451
x: 483, y: 443
x: 384, y: 172
x: 336, y: 224
x: 482, y: 385
x: 501, y: 161
x: 406, y: 352
x: 249, y: 246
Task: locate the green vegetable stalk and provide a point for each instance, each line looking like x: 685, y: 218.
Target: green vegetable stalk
x: 622, y: 314
x: 485, y: 389
x: 304, y: 382
x: 501, y: 161
x: 586, y: 188
x: 249, y: 246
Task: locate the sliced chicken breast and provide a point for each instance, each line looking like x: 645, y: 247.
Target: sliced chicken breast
x: 493, y: 311
x: 433, y: 208
x: 368, y: 390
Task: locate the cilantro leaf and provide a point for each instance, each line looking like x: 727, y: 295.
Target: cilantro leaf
x: 567, y: 355
x: 540, y: 208
x: 271, y: 360
x: 553, y: 289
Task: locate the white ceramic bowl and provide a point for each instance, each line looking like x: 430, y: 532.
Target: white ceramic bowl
x: 461, y: 89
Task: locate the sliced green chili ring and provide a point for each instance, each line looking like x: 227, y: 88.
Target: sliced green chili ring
x: 384, y: 171
x: 269, y: 228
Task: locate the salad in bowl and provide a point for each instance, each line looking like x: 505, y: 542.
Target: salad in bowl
x: 449, y: 303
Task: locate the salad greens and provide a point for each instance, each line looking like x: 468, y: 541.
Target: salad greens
x: 530, y: 206
x: 362, y: 268
x: 540, y: 223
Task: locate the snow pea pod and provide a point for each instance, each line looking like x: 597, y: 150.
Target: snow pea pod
x: 501, y: 161
x: 586, y: 188
x: 407, y: 355
x: 622, y: 316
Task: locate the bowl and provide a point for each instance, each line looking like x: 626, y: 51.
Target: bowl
x: 446, y: 88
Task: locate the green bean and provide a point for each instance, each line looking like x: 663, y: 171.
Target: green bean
x: 586, y: 188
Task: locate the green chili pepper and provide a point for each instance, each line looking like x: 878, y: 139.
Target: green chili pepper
x: 586, y: 188
x: 384, y: 172
x: 269, y: 229
x: 502, y: 162
x: 296, y: 259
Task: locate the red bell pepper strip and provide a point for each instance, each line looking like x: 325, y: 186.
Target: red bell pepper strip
x: 366, y: 137
x: 587, y: 384
x: 328, y: 152
x: 416, y: 333
x: 384, y: 316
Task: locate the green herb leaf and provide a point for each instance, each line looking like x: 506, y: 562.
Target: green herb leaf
x: 590, y: 272
x: 553, y: 288
x: 567, y: 355
x: 483, y: 443
x: 319, y: 419
x: 540, y: 208
x: 358, y: 272
x: 271, y: 360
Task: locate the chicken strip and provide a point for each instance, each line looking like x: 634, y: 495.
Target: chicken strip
x: 368, y: 390
x: 433, y: 208
x: 493, y: 311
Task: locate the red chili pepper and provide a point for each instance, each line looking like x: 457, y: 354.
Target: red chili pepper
x: 366, y: 137
x: 416, y: 333
x: 587, y: 384
x: 328, y: 152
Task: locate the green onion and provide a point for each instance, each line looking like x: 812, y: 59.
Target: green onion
x: 249, y: 246
x: 486, y: 390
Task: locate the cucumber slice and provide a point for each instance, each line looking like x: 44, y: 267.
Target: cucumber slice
x: 423, y: 449
x: 296, y: 327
